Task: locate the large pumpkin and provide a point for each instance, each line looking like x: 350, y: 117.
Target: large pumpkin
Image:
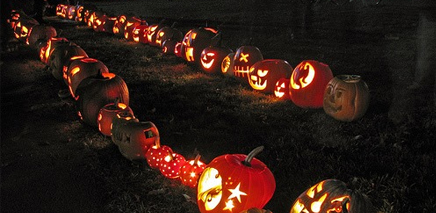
x: 40, y: 32
x: 83, y: 68
x: 211, y: 57
x: 331, y: 195
x: 235, y: 182
x: 44, y: 52
x: 95, y: 92
x: 60, y: 55
x: 107, y: 114
x: 244, y: 58
x: 195, y: 41
x: 264, y: 74
x: 168, y: 33
x: 346, y: 97
x: 135, y: 138
x: 308, y: 82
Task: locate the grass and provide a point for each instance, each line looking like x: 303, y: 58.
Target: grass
x: 389, y: 154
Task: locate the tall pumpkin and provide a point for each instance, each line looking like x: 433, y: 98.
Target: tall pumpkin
x: 235, y: 182
x: 195, y: 41
x: 264, y: 74
x: 244, y: 58
x: 95, y: 92
x: 308, y: 82
x: 346, y: 97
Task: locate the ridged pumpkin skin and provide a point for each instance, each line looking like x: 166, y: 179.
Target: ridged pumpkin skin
x: 95, y: 92
x: 61, y: 56
x: 346, y: 97
x: 108, y: 113
x: 81, y: 69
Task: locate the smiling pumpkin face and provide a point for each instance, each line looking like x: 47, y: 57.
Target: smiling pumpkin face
x: 264, y: 74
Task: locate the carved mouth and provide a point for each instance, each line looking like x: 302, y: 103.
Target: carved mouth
x: 329, y: 107
x: 239, y: 71
x: 255, y: 83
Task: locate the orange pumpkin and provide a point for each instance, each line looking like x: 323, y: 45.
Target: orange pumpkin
x: 264, y: 74
x: 191, y: 171
x: 40, y: 32
x: 195, y: 41
x: 107, y: 114
x: 244, y: 58
x: 211, y: 57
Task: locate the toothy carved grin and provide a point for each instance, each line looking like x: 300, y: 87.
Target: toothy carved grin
x: 239, y: 71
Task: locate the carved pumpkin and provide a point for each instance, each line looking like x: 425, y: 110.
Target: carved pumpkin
x: 131, y: 23
x: 308, y: 82
x: 235, y: 182
x: 80, y: 13
x: 15, y: 18
x: 23, y: 27
x: 281, y: 89
x: 95, y: 92
x: 171, y: 163
x: 264, y: 74
x: 191, y: 171
x: 65, y: 70
x: 168, y: 33
x: 44, y: 53
x: 169, y: 46
x: 331, y: 195
x: 71, y: 12
x: 134, y: 138
x: 80, y: 69
x: 227, y: 65
x: 156, y: 153
x: 346, y: 97
x: 40, y: 32
x: 61, y: 55
x: 211, y: 57
x: 104, y: 24
x: 61, y: 10
x: 195, y: 41
x: 95, y: 15
x: 244, y: 58
x: 256, y: 210
x: 107, y: 114
x: 178, y: 49
x: 119, y: 25
x: 140, y: 34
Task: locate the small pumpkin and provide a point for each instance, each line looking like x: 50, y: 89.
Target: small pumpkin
x: 80, y: 13
x: 331, y: 195
x: 211, y: 57
x: 264, y: 74
x: 135, y: 138
x: 227, y: 65
x: 244, y: 58
x: 235, y: 182
x: 195, y: 41
x: 191, y: 171
x: 281, y: 89
x: 308, y: 82
x: 80, y: 69
x: 156, y: 153
x: 95, y: 92
x: 23, y: 26
x: 171, y: 163
x: 40, y: 32
x: 71, y: 12
x: 61, y: 10
x: 107, y: 114
x: 61, y: 55
x: 346, y: 97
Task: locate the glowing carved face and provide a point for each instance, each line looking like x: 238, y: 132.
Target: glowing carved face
x: 282, y: 88
x: 304, y: 77
x: 207, y: 60
x: 258, y: 79
x: 244, y: 58
x: 210, y: 188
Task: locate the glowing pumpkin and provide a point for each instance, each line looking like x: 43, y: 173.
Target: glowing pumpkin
x: 95, y: 15
x: 80, y: 13
x: 264, y: 74
x: 134, y: 138
x: 44, y: 53
x: 281, y: 89
x: 244, y: 58
x: 156, y: 153
x: 191, y: 171
x: 171, y: 163
x: 169, y: 46
x: 346, y: 97
x: 95, y: 92
x: 227, y: 65
x: 81, y: 69
x: 61, y: 10
x: 211, y: 57
x: 131, y: 23
x: 331, y: 195
x: 40, y: 32
x: 61, y: 56
x: 152, y: 33
x: 71, y: 12
x: 308, y: 82
x: 23, y: 27
x: 178, y: 49
x: 140, y: 34
x: 168, y: 33
x: 235, y: 182
x: 195, y: 41
x: 104, y: 24
x: 107, y: 114
x: 119, y: 25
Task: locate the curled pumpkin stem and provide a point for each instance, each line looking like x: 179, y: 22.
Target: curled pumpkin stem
x: 197, y: 158
x: 251, y: 155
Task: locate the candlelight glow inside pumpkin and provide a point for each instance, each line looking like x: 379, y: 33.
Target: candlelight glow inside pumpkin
x: 264, y: 74
x: 244, y: 58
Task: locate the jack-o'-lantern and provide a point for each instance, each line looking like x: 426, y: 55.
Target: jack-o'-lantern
x: 256, y: 210
x: 87, y: 15
x: 61, y: 55
x: 62, y: 10
x: 244, y: 58
x: 44, y: 53
x: 96, y: 91
x: 168, y: 33
x: 65, y: 71
x: 134, y: 138
x: 178, y: 49
x: 281, y: 89
x: 264, y: 74
x: 107, y: 114
x: 80, y: 13
x: 308, y: 82
x: 191, y: 171
x: 227, y: 65
x: 156, y: 153
x: 171, y: 163
x: 211, y: 57
x: 23, y: 27
x: 169, y: 46
x: 81, y: 69
x: 195, y: 41
x: 131, y: 23
x: 153, y: 31
x: 15, y: 18
x: 140, y: 34
x: 95, y: 15
x: 119, y: 25
x: 331, y: 195
x: 40, y: 32
x: 235, y: 182
x: 71, y: 12
x: 346, y: 97
x: 104, y: 24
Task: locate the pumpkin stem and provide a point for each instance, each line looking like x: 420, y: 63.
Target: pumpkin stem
x: 197, y: 158
x: 250, y: 156
x: 174, y: 24
x: 170, y: 152
x: 116, y: 102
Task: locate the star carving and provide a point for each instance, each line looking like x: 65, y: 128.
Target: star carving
x: 236, y: 192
